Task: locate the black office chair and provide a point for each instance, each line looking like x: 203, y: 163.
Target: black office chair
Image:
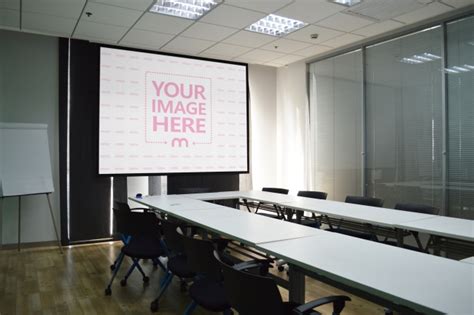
x: 366, y: 201
x: 177, y: 262
x: 299, y: 214
x: 207, y: 289
x: 144, y: 242
x: 125, y: 208
x: 278, y: 210
x: 418, y: 208
x: 250, y: 294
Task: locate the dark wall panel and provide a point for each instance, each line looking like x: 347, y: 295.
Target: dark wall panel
x: 89, y: 193
x: 182, y: 184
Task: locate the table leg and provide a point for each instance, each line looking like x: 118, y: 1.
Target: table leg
x: 19, y: 222
x: 399, y: 237
x: 297, y: 285
x: 436, y: 245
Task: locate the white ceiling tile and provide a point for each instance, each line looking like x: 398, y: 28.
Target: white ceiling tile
x: 64, y: 8
x: 344, y: 22
x: 286, y: 60
x: 10, y: 4
x: 304, y: 34
x: 267, y: 6
x: 312, y: 51
x: 343, y: 40
x: 208, y: 31
x: 458, y: 3
x: 426, y: 12
x: 139, y: 46
x: 53, y: 25
x: 106, y: 14
x: 187, y: 45
x: 285, y: 45
x: 310, y: 11
x: 97, y: 30
x: 9, y: 19
x: 213, y: 56
x: 249, y: 39
x: 145, y: 38
x: 140, y: 5
x: 260, y: 55
x: 378, y: 28
x: 162, y: 23
x: 227, y: 50
x: 232, y: 16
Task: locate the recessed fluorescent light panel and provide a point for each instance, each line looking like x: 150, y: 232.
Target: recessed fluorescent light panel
x: 347, y: 3
x: 188, y: 9
x: 420, y: 58
x: 276, y: 25
x: 459, y: 69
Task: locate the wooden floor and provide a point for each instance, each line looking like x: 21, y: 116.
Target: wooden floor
x: 42, y: 281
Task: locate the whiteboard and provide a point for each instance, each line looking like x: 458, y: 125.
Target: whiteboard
x: 25, y: 164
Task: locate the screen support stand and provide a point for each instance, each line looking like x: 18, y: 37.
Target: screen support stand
x: 52, y: 219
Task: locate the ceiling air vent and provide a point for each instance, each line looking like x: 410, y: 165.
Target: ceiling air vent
x: 381, y: 10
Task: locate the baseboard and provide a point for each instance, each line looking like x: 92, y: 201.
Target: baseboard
x: 28, y: 245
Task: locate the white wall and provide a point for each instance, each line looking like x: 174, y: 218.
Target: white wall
x: 29, y: 93
x: 292, y: 127
x: 135, y: 185
x: 263, y: 115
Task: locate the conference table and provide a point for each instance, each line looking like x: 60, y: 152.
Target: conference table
x: 398, y: 220
x: 394, y: 277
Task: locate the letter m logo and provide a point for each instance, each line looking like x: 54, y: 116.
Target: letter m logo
x: 179, y: 142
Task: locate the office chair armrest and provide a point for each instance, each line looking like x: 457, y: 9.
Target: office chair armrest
x: 221, y: 243
x: 140, y: 209
x: 262, y: 264
x: 339, y: 301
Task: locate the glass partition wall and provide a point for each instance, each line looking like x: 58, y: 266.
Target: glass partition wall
x: 395, y: 120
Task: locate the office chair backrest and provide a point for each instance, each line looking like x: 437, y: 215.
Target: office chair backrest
x: 413, y: 207
x: 173, y: 239
x: 122, y: 206
x: 312, y: 194
x: 276, y: 190
x: 200, y: 257
x: 250, y: 294
x: 137, y: 223
x: 366, y: 201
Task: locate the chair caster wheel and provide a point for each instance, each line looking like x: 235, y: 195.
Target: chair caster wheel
x: 281, y: 268
x: 154, y: 306
x: 123, y: 282
x: 108, y: 292
x: 183, y: 286
x: 146, y: 279
x: 112, y: 267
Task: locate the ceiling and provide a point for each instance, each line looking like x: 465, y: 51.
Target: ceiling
x: 221, y: 33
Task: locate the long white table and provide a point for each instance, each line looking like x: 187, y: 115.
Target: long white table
x: 425, y: 283
x: 459, y: 229
x: 392, y: 276
x: 243, y: 226
x: 455, y: 228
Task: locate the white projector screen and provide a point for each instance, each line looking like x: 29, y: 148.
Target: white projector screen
x: 163, y: 114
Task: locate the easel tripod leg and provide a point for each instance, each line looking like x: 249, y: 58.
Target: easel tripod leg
x: 54, y: 223
x: 19, y: 222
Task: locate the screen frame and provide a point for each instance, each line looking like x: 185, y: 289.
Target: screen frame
x: 247, y: 171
